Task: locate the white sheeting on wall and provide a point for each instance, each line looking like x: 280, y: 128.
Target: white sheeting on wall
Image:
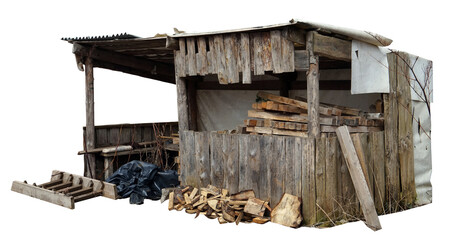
x: 422, y: 152
x: 423, y: 70
x: 369, y: 69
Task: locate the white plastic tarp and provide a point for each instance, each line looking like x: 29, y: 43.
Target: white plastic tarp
x: 421, y: 79
x: 369, y: 69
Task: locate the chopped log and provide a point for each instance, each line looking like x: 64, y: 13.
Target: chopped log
x: 171, y: 201
x: 255, y: 206
x: 260, y: 220
x: 243, y: 195
x: 287, y: 211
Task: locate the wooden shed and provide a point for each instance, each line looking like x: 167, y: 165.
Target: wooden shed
x: 327, y: 71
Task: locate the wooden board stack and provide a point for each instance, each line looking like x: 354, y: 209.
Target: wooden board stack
x: 218, y: 203
x: 286, y: 116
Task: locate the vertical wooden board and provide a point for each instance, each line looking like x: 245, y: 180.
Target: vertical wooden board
x: 359, y: 143
x: 313, y: 78
x: 202, y: 158
x: 266, y: 148
x: 287, y: 53
x: 231, y: 55
x: 211, y: 56
x: 245, y: 58
x: 230, y: 143
x: 136, y: 134
x: 126, y: 134
x: 320, y: 181
x: 308, y: 181
x: 276, y: 51
x: 101, y: 137
x: 216, y: 159
x: 113, y: 136
x: 191, y: 57
x: 220, y: 59
x: 183, y: 155
x: 339, y: 200
x: 378, y: 161
x: 189, y: 167
x: 349, y: 202
x: 391, y: 135
x: 254, y: 157
x: 182, y: 104
x: 365, y: 140
x: 258, y: 52
x: 147, y: 134
x: 244, y: 168
x: 180, y: 59
x: 289, y: 180
x: 277, y: 170
x: 298, y: 165
x: 331, y: 196
x: 405, y: 131
x: 267, y: 51
x: 202, y: 56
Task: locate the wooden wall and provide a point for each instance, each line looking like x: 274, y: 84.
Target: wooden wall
x: 273, y: 165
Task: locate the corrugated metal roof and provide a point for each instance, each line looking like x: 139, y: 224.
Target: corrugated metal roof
x: 100, y: 38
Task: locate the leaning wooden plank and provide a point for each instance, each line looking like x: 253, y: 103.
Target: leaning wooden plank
x: 245, y: 58
x: 359, y: 181
x: 43, y: 194
x: 361, y: 157
x: 273, y: 131
x: 302, y: 118
x: 287, y: 212
x: 358, y: 129
x: 328, y: 111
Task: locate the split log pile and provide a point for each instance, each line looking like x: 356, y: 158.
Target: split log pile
x: 243, y: 206
x: 279, y: 115
x: 217, y: 203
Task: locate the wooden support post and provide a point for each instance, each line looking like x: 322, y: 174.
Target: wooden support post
x: 192, y: 105
x: 108, y: 166
x: 182, y: 106
x: 358, y: 178
x: 313, y: 76
x: 90, y: 137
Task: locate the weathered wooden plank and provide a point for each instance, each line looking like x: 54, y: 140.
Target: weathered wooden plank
x: 405, y: 131
x: 244, y: 168
x: 188, y: 161
x: 377, y: 159
x: 289, y: 168
x: 125, y: 135
x: 202, y: 158
x: 108, y: 167
x: 201, y: 56
x: 308, y: 181
x: 216, y: 160
x: 102, y: 137
x: 276, y: 51
x: 302, y: 118
x: 231, y: 174
x: 313, y: 77
x: 358, y: 179
x: 320, y: 178
x: 331, y: 195
x: 274, y: 131
x: 392, y: 168
x: 266, y: 148
x: 296, y: 35
x: 267, y: 51
x: 258, y: 51
x: 360, y: 152
x: 182, y: 104
x: 220, y: 59
x: 245, y: 58
x: 331, y: 47
x: 277, y: 170
x: 90, y: 134
x: 358, y: 129
x: 287, y: 52
x: 339, y: 201
x: 301, y: 60
x: 191, y: 57
x: 211, y: 56
x: 231, y: 55
x: 179, y: 58
x: 192, y: 105
x: 254, y: 161
x: 43, y: 194
x: 298, y: 165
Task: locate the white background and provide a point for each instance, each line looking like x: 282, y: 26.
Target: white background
x: 42, y: 109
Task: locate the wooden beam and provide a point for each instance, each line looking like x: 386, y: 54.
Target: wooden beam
x: 182, y: 104
x: 192, y: 105
x: 333, y: 48
x: 313, y: 76
x: 274, y: 85
x: 158, y: 70
x: 90, y: 134
x: 358, y: 179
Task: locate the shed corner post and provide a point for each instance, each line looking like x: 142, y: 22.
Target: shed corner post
x: 90, y: 136
x: 313, y: 77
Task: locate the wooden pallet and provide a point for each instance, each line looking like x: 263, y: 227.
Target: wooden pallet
x: 65, y: 189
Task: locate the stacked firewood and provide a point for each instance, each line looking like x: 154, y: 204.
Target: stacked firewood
x: 278, y: 115
x: 215, y: 203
